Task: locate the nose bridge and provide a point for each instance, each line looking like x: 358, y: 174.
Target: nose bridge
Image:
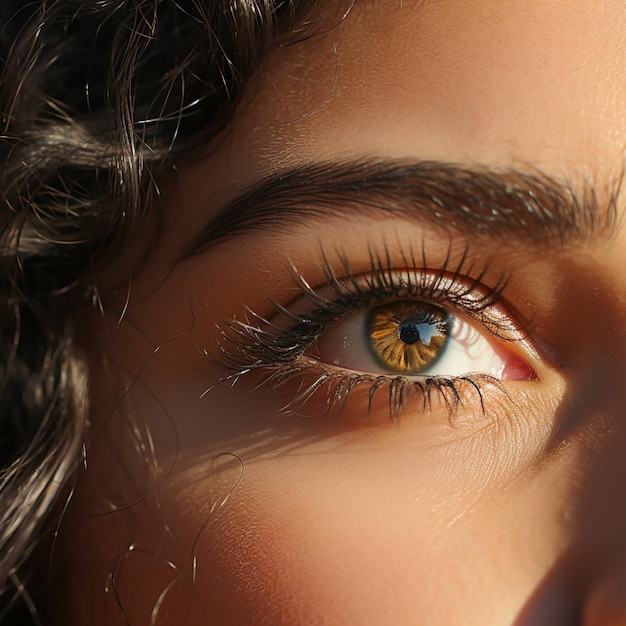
x: 595, y: 566
x: 593, y: 415
x: 597, y: 403
x: 601, y: 446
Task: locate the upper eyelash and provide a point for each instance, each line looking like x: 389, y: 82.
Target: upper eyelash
x: 441, y: 286
x: 256, y: 343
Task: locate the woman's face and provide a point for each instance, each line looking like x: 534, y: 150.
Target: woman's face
x: 386, y: 385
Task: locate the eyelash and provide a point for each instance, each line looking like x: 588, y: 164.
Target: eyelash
x: 256, y: 344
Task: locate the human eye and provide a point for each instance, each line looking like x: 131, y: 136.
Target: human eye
x: 414, y: 338
x: 398, y: 329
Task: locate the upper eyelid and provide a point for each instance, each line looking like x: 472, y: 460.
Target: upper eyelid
x: 384, y: 274
x: 487, y: 300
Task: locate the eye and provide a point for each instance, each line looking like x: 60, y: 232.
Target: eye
x: 414, y: 338
x: 405, y: 333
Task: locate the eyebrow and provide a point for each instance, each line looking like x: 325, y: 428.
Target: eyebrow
x: 505, y: 204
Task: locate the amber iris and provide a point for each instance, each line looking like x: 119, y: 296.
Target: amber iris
x: 407, y: 337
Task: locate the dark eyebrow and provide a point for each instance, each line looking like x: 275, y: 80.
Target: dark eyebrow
x: 506, y: 204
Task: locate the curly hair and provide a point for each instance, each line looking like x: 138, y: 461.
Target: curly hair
x: 97, y: 97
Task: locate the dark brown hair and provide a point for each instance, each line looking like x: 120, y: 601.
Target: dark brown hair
x: 97, y: 98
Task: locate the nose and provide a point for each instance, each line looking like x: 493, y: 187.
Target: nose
x: 606, y: 601
x: 587, y: 586
x: 602, y: 532
x: 601, y: 538
x: 598, y: 551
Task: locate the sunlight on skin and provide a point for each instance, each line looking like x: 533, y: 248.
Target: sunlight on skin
x: 509, y: 515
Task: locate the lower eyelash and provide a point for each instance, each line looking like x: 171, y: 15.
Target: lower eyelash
x: 278, y: 355
x: 314, y: 377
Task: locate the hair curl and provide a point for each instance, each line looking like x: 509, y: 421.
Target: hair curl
x: 97, y: 97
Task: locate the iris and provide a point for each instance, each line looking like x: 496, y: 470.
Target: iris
x: 407, y: 337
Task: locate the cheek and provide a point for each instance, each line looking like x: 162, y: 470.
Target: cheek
x: 312, y: 547
x: 342, y: 542
x: 364, y: 528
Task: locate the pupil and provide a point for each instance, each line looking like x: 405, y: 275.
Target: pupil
x: 409, y: 331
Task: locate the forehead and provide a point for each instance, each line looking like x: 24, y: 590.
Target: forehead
x: 512, y: 83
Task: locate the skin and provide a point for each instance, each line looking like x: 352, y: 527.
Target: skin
x: 511, y: 515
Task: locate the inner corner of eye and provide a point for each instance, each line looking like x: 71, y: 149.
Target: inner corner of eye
x: 413, y: 338
x: 516, y: 368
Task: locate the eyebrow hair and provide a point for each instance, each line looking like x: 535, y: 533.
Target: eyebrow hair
x: 496, y: 203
